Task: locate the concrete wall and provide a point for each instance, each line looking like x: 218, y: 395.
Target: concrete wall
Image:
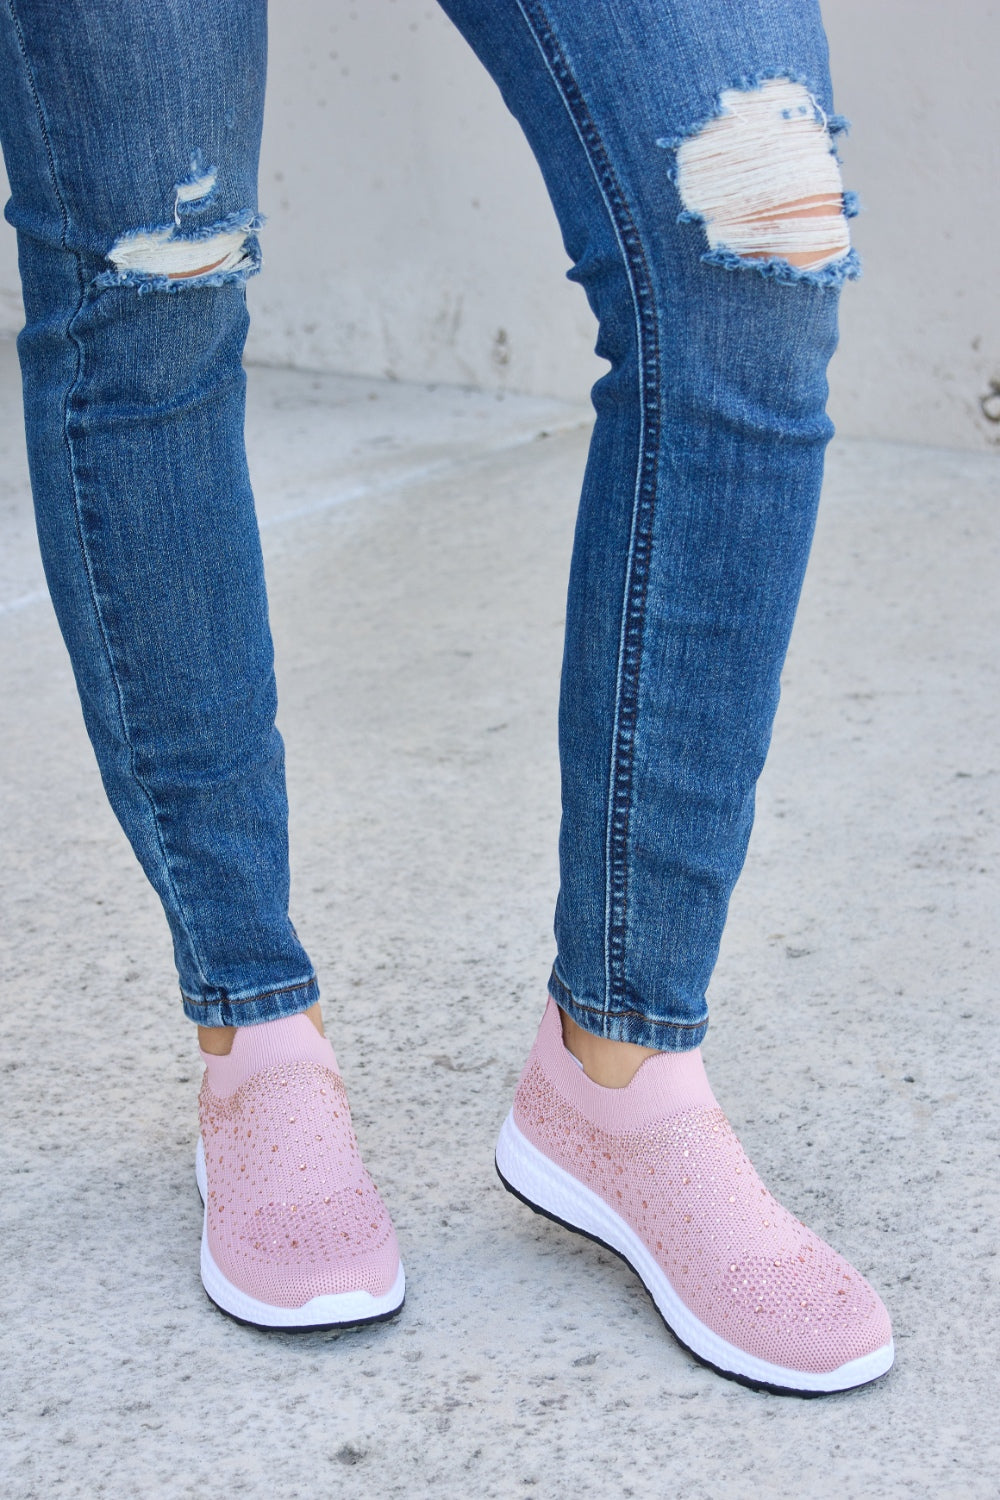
x: 410, y: 234
x: 920, y: 349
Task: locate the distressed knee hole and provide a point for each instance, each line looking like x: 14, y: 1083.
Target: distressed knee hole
x: 159, y: 252
x: 764, y: 180
x: 160, y: 257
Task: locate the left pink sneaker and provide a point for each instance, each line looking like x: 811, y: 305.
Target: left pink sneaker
x: 654, y: 1172
x: 295, y: 1233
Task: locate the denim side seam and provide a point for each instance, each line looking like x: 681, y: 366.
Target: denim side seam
x: 70, y: 457
x: 644, y: 504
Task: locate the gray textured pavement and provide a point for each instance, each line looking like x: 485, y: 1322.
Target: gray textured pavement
x: 417, y: 548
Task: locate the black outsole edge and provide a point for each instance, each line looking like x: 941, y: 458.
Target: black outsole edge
x: 385, y: 1317
x: 753, y: 1385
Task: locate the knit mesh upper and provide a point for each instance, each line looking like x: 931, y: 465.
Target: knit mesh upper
x: 292, y: 1213
x: 742, y: 1264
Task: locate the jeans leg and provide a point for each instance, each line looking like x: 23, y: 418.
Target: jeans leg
x: 701, y: 486
x: 131, y: 135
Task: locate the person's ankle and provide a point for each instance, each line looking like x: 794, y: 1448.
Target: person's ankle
x: 217, y: 1041
x: 611, y: 1064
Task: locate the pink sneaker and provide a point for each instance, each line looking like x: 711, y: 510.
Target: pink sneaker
x: 295, y: 1234
x: 654, y: 1172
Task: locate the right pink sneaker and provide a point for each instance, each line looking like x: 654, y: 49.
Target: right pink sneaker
x: 654, y: 1172
x: 295, y: 1233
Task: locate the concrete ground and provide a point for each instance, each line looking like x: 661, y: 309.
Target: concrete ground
x: 417, y: 546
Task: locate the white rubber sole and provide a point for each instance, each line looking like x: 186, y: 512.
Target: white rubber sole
x: 342, y: 1310
x: 546, y: 1187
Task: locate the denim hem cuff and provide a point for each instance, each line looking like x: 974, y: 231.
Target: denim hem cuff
x: 270, y: 1005
x: 630, y: 1025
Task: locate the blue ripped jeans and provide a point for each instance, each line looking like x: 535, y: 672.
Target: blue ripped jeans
x: 682, y: 142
